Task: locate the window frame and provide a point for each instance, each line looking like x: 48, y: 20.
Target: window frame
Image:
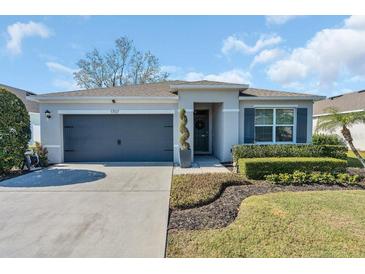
x: 274, y: 125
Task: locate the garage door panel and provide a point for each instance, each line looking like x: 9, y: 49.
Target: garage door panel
x: 118, y: 138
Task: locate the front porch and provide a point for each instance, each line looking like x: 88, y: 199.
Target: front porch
x: 202, y: 164
x: 212, y: 127
x: 212, y: 121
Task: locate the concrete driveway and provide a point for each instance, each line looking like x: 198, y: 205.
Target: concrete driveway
x: 86, y: 210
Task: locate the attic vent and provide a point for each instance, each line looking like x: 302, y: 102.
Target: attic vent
x: 361, y: 91
x: 334, y: 97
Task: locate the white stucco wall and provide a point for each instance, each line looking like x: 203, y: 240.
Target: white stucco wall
x: 357, y: 132
x: 35, y: 127
x: 276, y: 103
x: 217, y: 130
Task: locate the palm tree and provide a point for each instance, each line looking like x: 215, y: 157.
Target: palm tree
x: 344, y: 121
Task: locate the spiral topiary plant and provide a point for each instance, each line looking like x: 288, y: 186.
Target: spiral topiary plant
x: 184, y: 132
x: 14, y: 131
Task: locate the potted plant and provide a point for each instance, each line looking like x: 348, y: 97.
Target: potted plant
x: 185, y: 152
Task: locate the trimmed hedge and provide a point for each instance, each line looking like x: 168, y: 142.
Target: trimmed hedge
x: 327, y: 139
x: 261, y: 151
x: 298, y: 178
x: 258, y: 168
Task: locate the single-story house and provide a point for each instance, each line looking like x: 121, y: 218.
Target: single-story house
x: 141, y: 122
x: 32, y: 108
x: 345, y: 103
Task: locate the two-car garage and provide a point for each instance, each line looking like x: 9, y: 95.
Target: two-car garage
x: 118, y: 137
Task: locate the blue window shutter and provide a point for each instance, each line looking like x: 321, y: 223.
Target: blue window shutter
x: 249, y: 125
x: 302, y: 125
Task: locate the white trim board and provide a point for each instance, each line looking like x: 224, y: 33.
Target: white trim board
x: 275, y: 106
x: 278, y: 98
x: 52, y: 146
x: 116, y: 111
x: 230, y: 110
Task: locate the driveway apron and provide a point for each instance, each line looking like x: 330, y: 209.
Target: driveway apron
x: 86, y: 210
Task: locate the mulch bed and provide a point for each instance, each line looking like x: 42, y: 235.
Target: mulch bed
x: 357, y: 171
x: 224, y: 210
x: 12, y: 174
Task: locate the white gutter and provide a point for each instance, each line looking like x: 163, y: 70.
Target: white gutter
x: 341, y: 112
x: 300, y: 97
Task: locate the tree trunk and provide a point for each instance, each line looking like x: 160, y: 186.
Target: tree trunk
x: 347, y: 135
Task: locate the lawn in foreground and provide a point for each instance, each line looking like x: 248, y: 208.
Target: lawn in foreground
x: 352, y: 161
x: 302, y: 224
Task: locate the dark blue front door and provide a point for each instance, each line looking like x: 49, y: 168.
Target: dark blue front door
x: 201, y: 131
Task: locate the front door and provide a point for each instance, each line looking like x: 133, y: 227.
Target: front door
x: 201, y: 131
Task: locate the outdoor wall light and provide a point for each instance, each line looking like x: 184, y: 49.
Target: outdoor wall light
x: 113, y: 101
x: 48, y: 114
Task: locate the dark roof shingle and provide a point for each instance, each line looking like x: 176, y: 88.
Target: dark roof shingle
x: 345, y: 102
x: 163, y: 89
x: 268, y: 92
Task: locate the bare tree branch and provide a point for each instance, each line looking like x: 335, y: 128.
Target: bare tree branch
x: 121, y: 65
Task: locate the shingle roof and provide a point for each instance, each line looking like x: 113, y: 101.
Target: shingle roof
x: 270, y: 93
x: 30, y: 105
x: 344, y: 102
x: 163, y: 89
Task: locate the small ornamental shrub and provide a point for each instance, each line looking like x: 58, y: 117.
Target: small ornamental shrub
x: 327, y: 139
x: 298, y: 178
x: 258, y: 168
x: 288, y: 150
x: 14, y: 131
x: 42, y: 154
x: 184, y: 132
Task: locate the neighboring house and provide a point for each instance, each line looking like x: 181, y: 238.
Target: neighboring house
x: 141, y: 122
x: 32, y: 108
x: 345, y: 103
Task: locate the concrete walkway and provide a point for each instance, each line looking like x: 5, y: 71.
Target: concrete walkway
x: 202, y: 164
x: 86, y: 210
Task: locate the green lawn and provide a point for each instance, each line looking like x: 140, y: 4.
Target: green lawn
x: 352, y: 160
x: 302, y: 224
x: 195, y: 189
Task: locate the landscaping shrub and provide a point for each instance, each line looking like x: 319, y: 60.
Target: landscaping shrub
x: 258, y: 168
x: 261, y: 151
x: 42, y: 154
x: 14, y: 131
x: 299, y: 177
x: 327, y: 139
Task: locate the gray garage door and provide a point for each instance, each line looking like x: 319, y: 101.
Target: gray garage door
x: 94, y: 138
